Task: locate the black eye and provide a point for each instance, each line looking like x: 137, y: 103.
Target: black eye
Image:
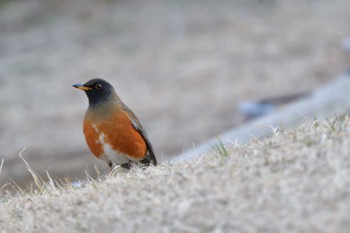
x: 98, y: 86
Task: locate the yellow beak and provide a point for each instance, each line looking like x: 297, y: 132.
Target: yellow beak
x: 82, y: 87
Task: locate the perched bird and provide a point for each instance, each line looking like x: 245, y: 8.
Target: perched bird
x: 112, y: 131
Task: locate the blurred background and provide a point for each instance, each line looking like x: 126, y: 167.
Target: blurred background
x: 182, y: 66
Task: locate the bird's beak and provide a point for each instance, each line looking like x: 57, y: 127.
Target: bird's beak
x: 82, y: 87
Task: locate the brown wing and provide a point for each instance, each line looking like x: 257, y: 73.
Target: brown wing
x: 150, y: 157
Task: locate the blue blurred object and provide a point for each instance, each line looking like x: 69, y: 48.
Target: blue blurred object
x: 346, y: 44
x: 253, y: 109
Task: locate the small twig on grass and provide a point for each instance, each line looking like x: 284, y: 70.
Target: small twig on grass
x: 88, y: 177
x: 17, y: 186
x: 3, y: 187
x: 39, y: 183
x: 6, y: 184
x: 51, y: 181
x: 1, y: 164
x: 114, y: 170
x: 98, y: 173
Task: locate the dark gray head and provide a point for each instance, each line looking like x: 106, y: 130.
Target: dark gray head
x: 97, y: 91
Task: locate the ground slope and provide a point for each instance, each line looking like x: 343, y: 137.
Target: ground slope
x: 182, y: 67
x: 296, y: 181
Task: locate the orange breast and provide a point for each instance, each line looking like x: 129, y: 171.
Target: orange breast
x: 118, y: 133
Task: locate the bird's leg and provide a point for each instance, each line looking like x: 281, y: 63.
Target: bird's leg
x: 110, y: 165
x: 126, y: 165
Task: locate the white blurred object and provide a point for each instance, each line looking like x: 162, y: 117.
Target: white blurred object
x: 326, y: 101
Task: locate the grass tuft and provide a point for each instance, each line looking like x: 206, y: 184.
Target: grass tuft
x: 305, y: 170
x: 220, y: 148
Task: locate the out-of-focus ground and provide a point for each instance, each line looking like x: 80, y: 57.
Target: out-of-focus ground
x: 182, y: 66
x: 296, y: 181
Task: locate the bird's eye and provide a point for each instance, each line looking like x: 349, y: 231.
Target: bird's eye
x: 98, y: 86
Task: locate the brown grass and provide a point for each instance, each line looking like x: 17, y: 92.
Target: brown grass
x: 295, y: 181
x: 169, y: 61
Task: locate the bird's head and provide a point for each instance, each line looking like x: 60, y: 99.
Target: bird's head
x: 97, y: 91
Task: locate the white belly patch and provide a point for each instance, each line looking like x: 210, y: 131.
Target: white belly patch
x: 109, y: 153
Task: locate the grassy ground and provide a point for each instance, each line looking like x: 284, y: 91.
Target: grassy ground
x: 295, y: 181
x: 182, y: 66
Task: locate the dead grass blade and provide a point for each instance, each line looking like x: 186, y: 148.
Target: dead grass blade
x: 38, y: 181
x: 19, y: 189
x: 1, y: 164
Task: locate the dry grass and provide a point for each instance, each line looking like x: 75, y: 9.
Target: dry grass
x: 296, y: 181
x: 168, y: 60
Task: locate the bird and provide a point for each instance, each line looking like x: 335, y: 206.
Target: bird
x: 112, y: 131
